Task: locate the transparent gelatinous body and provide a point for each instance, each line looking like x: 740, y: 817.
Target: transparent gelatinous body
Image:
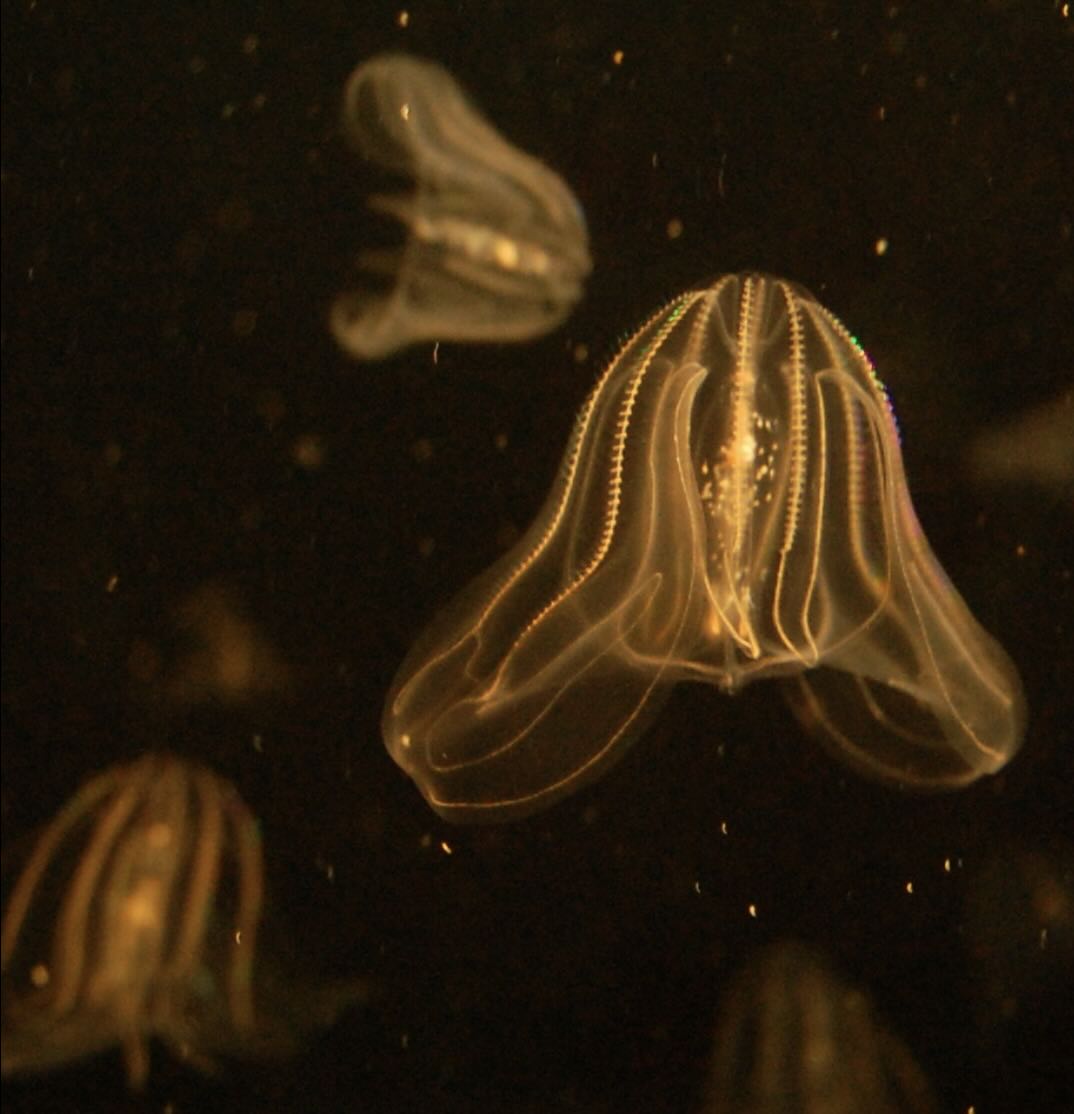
x: 134, y: 916
x: 497, y: 248
x: 792, y: 1037
x: 731, y: 506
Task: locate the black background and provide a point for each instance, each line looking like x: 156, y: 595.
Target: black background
x: 174, y: 173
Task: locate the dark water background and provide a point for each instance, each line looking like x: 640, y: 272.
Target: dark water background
x: 178, y: 210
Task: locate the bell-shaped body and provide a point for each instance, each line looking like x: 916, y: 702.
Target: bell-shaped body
x: 134, y: 916
x: 731, y: 506
x: 496, y: 248
x: 795, y: 1039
